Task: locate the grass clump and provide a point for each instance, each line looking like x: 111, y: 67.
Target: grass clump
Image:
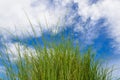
x: 61, y: 61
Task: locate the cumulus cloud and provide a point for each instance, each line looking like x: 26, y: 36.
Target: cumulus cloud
x: 13, y: 18
x: 50, y: 13
x: 108, y: 9
x: 15, y: 50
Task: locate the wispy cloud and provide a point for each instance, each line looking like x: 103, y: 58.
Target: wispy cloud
x: 108, y: 9
x: 15, y: 49
x: 14, y: 19
x: 50, y: 13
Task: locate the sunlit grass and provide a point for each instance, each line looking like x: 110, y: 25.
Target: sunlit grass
x: 56, y: 61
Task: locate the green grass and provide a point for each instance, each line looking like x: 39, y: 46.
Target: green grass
x: 56, y: 61
x: 59, y: 60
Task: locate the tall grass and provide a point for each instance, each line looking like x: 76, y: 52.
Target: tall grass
x: 56, y: 61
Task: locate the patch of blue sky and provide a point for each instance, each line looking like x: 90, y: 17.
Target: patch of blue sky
x: 102, y: 44
x: 93, y: 1
x: 94, y: 35
x: 2, y: 76
x: 74, y: 6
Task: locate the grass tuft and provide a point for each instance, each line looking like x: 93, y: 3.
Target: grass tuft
x: 61, y: 61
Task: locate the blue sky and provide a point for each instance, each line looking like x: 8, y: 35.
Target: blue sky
x: 93, y: 23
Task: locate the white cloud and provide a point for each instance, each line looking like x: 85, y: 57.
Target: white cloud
x: 44, y: 11
x: 108, y: 9
x: 12, y: 14
x: 15, y: 50
x: 49, y: 15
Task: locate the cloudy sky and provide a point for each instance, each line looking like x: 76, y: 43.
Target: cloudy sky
x: 93, y: 23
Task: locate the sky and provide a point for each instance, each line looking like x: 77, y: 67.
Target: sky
x: 93, y: 23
